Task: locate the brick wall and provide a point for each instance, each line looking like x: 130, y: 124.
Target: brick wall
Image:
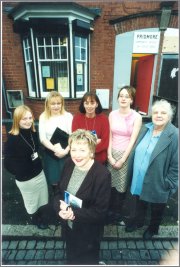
x: 101, y: 48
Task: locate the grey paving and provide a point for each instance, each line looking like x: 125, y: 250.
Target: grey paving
x: 52, y: 252
x: 31, y: 246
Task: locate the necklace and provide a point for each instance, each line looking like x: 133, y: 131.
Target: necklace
x: 34, y: 154
x: 87, y: 128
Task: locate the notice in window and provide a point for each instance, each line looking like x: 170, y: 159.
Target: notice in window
x: 79, y: 68
x: 79, y: 79
x: 62, y: 84
x: 45, y: 71
x: 50, y: 83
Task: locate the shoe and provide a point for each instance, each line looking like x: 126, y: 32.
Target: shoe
x: 42, y: 226
x: 102, y: 263
x: 121, y: 223
x: 148, y: 234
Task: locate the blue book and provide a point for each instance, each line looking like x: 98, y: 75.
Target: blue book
x: 72, y: 200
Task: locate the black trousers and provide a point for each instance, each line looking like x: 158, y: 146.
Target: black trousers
x: 82, y: 248
x: 156, y: 214
x: 116, y: 201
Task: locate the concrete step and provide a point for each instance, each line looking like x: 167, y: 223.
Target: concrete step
x: 110, y: 231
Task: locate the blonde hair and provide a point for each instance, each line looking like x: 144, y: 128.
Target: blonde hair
x: 19, y: 112
x: 164, y: 104
x: 50, y: 96
x: 83, y: 136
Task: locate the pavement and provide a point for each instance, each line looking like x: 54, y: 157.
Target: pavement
x: 25, y: 244
x: 28, y: 245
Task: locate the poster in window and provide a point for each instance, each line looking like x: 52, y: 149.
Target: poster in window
x: 45, y: 71
x: 62, y: 84
x: 79, y: 68
x: 50, y: 83
x: 79, y: 79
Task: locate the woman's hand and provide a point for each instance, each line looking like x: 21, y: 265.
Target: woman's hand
x: 66, y: 212
x: 98, y: 141
x: 63, y: 205
x: 67, y: 215
x: 118, y: 165
x: 111, y: 160
x: 59, y: 151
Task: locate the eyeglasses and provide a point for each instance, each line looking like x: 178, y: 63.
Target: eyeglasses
x: 125, y: 96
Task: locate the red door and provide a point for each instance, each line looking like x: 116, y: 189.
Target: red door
x: 143, y: 82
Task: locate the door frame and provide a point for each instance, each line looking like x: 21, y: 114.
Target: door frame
x: 122, y: 64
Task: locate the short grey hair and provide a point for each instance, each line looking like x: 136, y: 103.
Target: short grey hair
x: 166, y: 105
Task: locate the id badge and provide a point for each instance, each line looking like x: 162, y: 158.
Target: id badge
x: 94, y: 133
x: 34, y: 156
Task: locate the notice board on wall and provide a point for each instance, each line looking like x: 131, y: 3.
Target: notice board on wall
x: 103, y: 95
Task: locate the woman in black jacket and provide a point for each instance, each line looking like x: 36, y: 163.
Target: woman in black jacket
x: 84, y: 206
x: 22, y: 160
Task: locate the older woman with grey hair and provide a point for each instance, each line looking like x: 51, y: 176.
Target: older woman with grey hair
x: 153, y: 166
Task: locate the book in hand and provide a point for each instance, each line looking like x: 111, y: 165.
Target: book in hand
x: 72, y: 200
x: 60, y: 136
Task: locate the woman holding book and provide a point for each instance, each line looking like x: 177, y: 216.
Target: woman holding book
x: 88, y: 183
x: 54, y: 118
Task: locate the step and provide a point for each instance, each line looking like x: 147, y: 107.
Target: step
x: 110, y: 231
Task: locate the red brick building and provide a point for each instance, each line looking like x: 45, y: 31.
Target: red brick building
x: 80, y: 46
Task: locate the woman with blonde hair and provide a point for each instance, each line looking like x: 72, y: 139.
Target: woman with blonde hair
x: 87, y: 182
x: 22, y: 160
x: 54, y: 118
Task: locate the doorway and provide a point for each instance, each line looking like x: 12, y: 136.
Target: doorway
x: 142, y: 68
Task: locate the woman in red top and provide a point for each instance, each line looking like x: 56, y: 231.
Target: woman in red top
x: 91, y: 118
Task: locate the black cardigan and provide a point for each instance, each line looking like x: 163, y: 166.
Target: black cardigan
x: 18, y: 159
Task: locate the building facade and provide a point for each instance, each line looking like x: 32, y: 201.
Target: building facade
x: 80, y: 46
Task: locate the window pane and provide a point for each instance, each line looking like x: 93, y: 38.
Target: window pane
x: 77, y: 53
x: 55, y: 76
x: 41, y: 53
x: 48, y: 40
x: 31, y: 78
x: 83, y: 54
x: 55, y: 41
x: 83, y: 42
x: 81, y: 63
x: 56, y: 53
x: 63, y: 52
x: 77, y: 41
x: 63, y: 41
x: 48, y: 53
x: 40, y: 41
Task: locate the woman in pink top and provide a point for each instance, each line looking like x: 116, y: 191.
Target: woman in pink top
x: 125, y: 124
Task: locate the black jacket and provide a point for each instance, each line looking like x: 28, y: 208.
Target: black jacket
x: 95, y: 193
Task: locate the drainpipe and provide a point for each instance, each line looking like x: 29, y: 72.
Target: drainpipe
x: 166, y: 10
x: 5, y: 101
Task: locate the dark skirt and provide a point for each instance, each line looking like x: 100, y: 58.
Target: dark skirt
x: 83, y: 244
x: 53, y: 167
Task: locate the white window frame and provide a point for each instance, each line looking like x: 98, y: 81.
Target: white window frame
x: 44, y: 94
